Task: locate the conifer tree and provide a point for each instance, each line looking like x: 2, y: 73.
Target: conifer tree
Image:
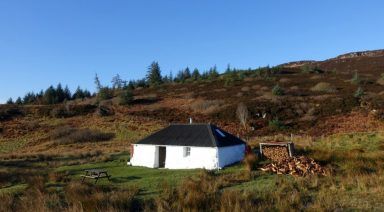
x: 196, y: 74
x: 213, y: 73
x: 67, y: 93
x: 126, y: 97
x: 50, y: 96
x: 228, y: 70
x: 79, y: 94
x: 29, y: 98
x: 18, y: 101
x: 60, y: 96
x: 186, y: 74
x: 10, y: 101
x: 154, y: 74
x: 117, y: 82
x: 97, y: 83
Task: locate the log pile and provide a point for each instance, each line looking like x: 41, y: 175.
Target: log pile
x: 276, y: 153
x: 296, y: 166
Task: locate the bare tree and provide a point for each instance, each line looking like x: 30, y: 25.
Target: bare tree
x: 242, y: 114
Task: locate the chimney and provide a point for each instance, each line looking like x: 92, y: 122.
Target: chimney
x: 190, y: 121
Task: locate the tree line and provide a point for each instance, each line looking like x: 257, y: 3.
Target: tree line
x: 52, y: 95
x: 124, y: 89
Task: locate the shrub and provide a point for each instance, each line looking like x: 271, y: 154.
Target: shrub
x: 250, y: 161
x: 68, y: 135
x: 359, y: 93
x: 276, y: 124
x: 197, y: 194
x: 61, y: 132
x: 104, y: 111
x: 105, y: 93
x: 323, y: 87
x: 277, y: 90
x: 167, y: 199
x: 10, y: 113
x: 242, y: 114
x: 206, y: 106
x: 59, y: 112
x: 126, y: 97
x: 306, y: 69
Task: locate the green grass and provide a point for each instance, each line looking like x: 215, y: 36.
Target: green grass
x: 150, y: 180
x: 13, y: 188
x: 356, y: 141
x: 356, y: 184
x: 7, y: 146
x: 147, y: 179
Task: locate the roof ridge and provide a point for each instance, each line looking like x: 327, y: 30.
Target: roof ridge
x: 190, y: 124
x: 213, y: 138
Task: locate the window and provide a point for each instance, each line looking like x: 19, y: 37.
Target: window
x: 187, y: 151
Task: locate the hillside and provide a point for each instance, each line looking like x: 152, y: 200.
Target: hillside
x: 332, y: 109
x: 319, y: 99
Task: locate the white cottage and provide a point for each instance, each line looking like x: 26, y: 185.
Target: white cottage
x: 188, y: 146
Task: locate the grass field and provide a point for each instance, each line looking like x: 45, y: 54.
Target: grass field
x: 356, y: 162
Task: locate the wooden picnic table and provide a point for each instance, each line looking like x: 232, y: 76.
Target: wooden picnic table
x: 95, y: 174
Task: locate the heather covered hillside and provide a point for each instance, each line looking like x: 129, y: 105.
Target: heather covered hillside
x: 332, y: 110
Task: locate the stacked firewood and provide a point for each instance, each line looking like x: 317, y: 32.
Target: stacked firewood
x: 296, y: 166
x: 276, y: 153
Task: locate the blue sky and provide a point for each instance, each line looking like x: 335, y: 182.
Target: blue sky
x: 44, y: 42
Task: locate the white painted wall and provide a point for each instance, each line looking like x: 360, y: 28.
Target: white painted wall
x: 230, y: 155
x: 145, y: 155
x: 200, y: 157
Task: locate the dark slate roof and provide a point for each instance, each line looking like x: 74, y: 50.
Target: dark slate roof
x: 201, y: 135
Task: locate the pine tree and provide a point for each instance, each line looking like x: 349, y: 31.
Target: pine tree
x: 29, y: 98
x: 126, y: 97
x: 171, y: 79
x: 196, y: 74
x: 131, y: 84
x: 50, y: 96
x: 79, y: 94
x: 105, y: 93
x: 213, y: 73
x: 186, y: 74
x: 154, y: 74
x: 60, y: 96
x: 67, y: 93
x: 10, y: 101
x: 86, y: 93
x: 228, y: 70
x: 117, y: 82
x: 97, y: 83
x: 18, y: 101
x: 180, y: 76
x: 39, y: 97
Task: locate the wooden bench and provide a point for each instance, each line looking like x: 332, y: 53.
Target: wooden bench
x: 95, y: 174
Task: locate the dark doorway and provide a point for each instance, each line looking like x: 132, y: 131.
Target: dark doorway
x: 162, y: 155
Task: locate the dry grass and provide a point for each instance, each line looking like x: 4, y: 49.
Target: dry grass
x: 324, y: 87
x: 245, y: 89
x: 250, y: 161
x: 355, y: 182
x: 206, y: 106
x: 76, y: 197
x: 68, y: 135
